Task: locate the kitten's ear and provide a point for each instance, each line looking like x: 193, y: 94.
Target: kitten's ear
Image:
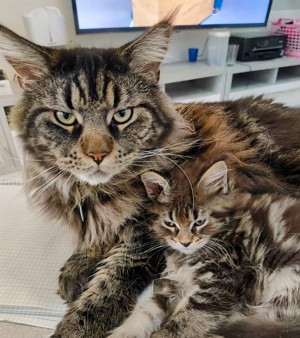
x: 148, y: 51
x: 156, y: 186
x: 215, y: 178
x: 28, y: 59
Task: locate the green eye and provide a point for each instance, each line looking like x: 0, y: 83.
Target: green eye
x: 66, y: 119
x: 170, y: 224
x: 123, y: 115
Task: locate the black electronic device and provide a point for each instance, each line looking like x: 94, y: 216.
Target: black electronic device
x: 259, y: 46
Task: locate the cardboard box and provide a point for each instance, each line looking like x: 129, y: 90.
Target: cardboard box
x: 191, y: 12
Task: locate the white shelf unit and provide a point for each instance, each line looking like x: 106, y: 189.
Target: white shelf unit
x: 9, y: 157
x: 191, y: 82
x: 188, y: 82
x: 276, y: 78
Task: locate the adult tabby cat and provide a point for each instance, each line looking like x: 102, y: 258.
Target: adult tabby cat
x: 229, y: 254
x: 92, y: 120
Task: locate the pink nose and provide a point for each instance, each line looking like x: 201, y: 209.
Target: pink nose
x: 98, y: 157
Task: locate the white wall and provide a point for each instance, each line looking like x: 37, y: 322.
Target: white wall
x: 11, y: 16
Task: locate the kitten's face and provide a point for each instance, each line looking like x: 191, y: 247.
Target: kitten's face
x: 190, y: 215
x: 186, y: 231
x: 93, y: 113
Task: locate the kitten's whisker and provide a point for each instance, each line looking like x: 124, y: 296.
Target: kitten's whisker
x: 223, y: 251
x: 211, y: 250
x: 185, y: 174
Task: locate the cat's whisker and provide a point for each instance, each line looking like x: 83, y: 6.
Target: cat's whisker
x: 25, y: 158
x: 154, y: 248
x: 223, y: 251
x: 47, y: 184
x: 48, y: 170
x: 211, y: 250
x: 159, y: 152
x: 185, y: 174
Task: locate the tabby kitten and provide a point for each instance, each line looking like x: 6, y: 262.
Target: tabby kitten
x: 91, y: 121
x: 229, y: 254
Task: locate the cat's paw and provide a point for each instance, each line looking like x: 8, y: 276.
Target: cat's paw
x: 71, y: 326
x: 76, y: 273
x: 69, y: 289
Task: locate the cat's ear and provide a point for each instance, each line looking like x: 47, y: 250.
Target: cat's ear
x: 146, y: 53
x: 215, y: 178
x: 156, y: 186
x: 29, y: 60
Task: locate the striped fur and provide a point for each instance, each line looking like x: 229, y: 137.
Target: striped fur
x: 85, y: 174
x: 100, y: 200
x: 231, y: 257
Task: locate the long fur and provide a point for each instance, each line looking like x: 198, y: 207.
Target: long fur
x: 104, y: 209
x: 255, y: 326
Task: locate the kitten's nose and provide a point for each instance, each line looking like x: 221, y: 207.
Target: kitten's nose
x: 185, y: 244
x: 98, y: 157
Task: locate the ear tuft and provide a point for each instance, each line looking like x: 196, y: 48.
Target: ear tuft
x: 147, y: 52
x: 156, y: 186
x: 28, y: 59
x: 215, y: 178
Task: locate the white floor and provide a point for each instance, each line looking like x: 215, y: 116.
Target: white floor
x: 32, y: 250
x: 11, y: 330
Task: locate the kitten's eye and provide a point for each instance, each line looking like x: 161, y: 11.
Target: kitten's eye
x: 123, y: 115
x: 170, y: 224
x: 200, y: 222
x: 65, y: 118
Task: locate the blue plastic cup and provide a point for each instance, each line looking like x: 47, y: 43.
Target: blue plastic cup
x: 193, y: 54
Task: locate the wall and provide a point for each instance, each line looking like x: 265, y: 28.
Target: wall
x: 11, y: 16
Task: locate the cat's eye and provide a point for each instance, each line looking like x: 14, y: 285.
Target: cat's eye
x: 66, y: 119
x: 170, y: 224
x: 200, y: 222
x: 123, y: 115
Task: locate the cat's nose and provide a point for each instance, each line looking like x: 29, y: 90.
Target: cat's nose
x: 186, y: 244
x: 98, y: 157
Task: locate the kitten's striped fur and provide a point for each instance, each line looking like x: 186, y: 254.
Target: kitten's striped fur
x: 230, y: 255
x: 86, y: 173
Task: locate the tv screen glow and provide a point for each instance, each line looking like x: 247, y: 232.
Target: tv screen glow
x: 108, y: 15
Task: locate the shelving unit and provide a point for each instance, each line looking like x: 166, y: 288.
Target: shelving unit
x: 273, y: 78
x: 277, y: 78
x: 187, y: 82
x: 9, y: 157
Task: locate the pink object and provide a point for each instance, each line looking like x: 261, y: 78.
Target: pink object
x: 291, y: 28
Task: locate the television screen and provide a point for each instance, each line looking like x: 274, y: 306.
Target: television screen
x: 108, y: 15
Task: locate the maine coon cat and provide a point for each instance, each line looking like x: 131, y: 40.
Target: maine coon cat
x: 229, y: 255
x: 91, y: 121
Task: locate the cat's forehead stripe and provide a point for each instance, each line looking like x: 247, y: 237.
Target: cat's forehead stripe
x: 78, y: 81
x: 105, y: 90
